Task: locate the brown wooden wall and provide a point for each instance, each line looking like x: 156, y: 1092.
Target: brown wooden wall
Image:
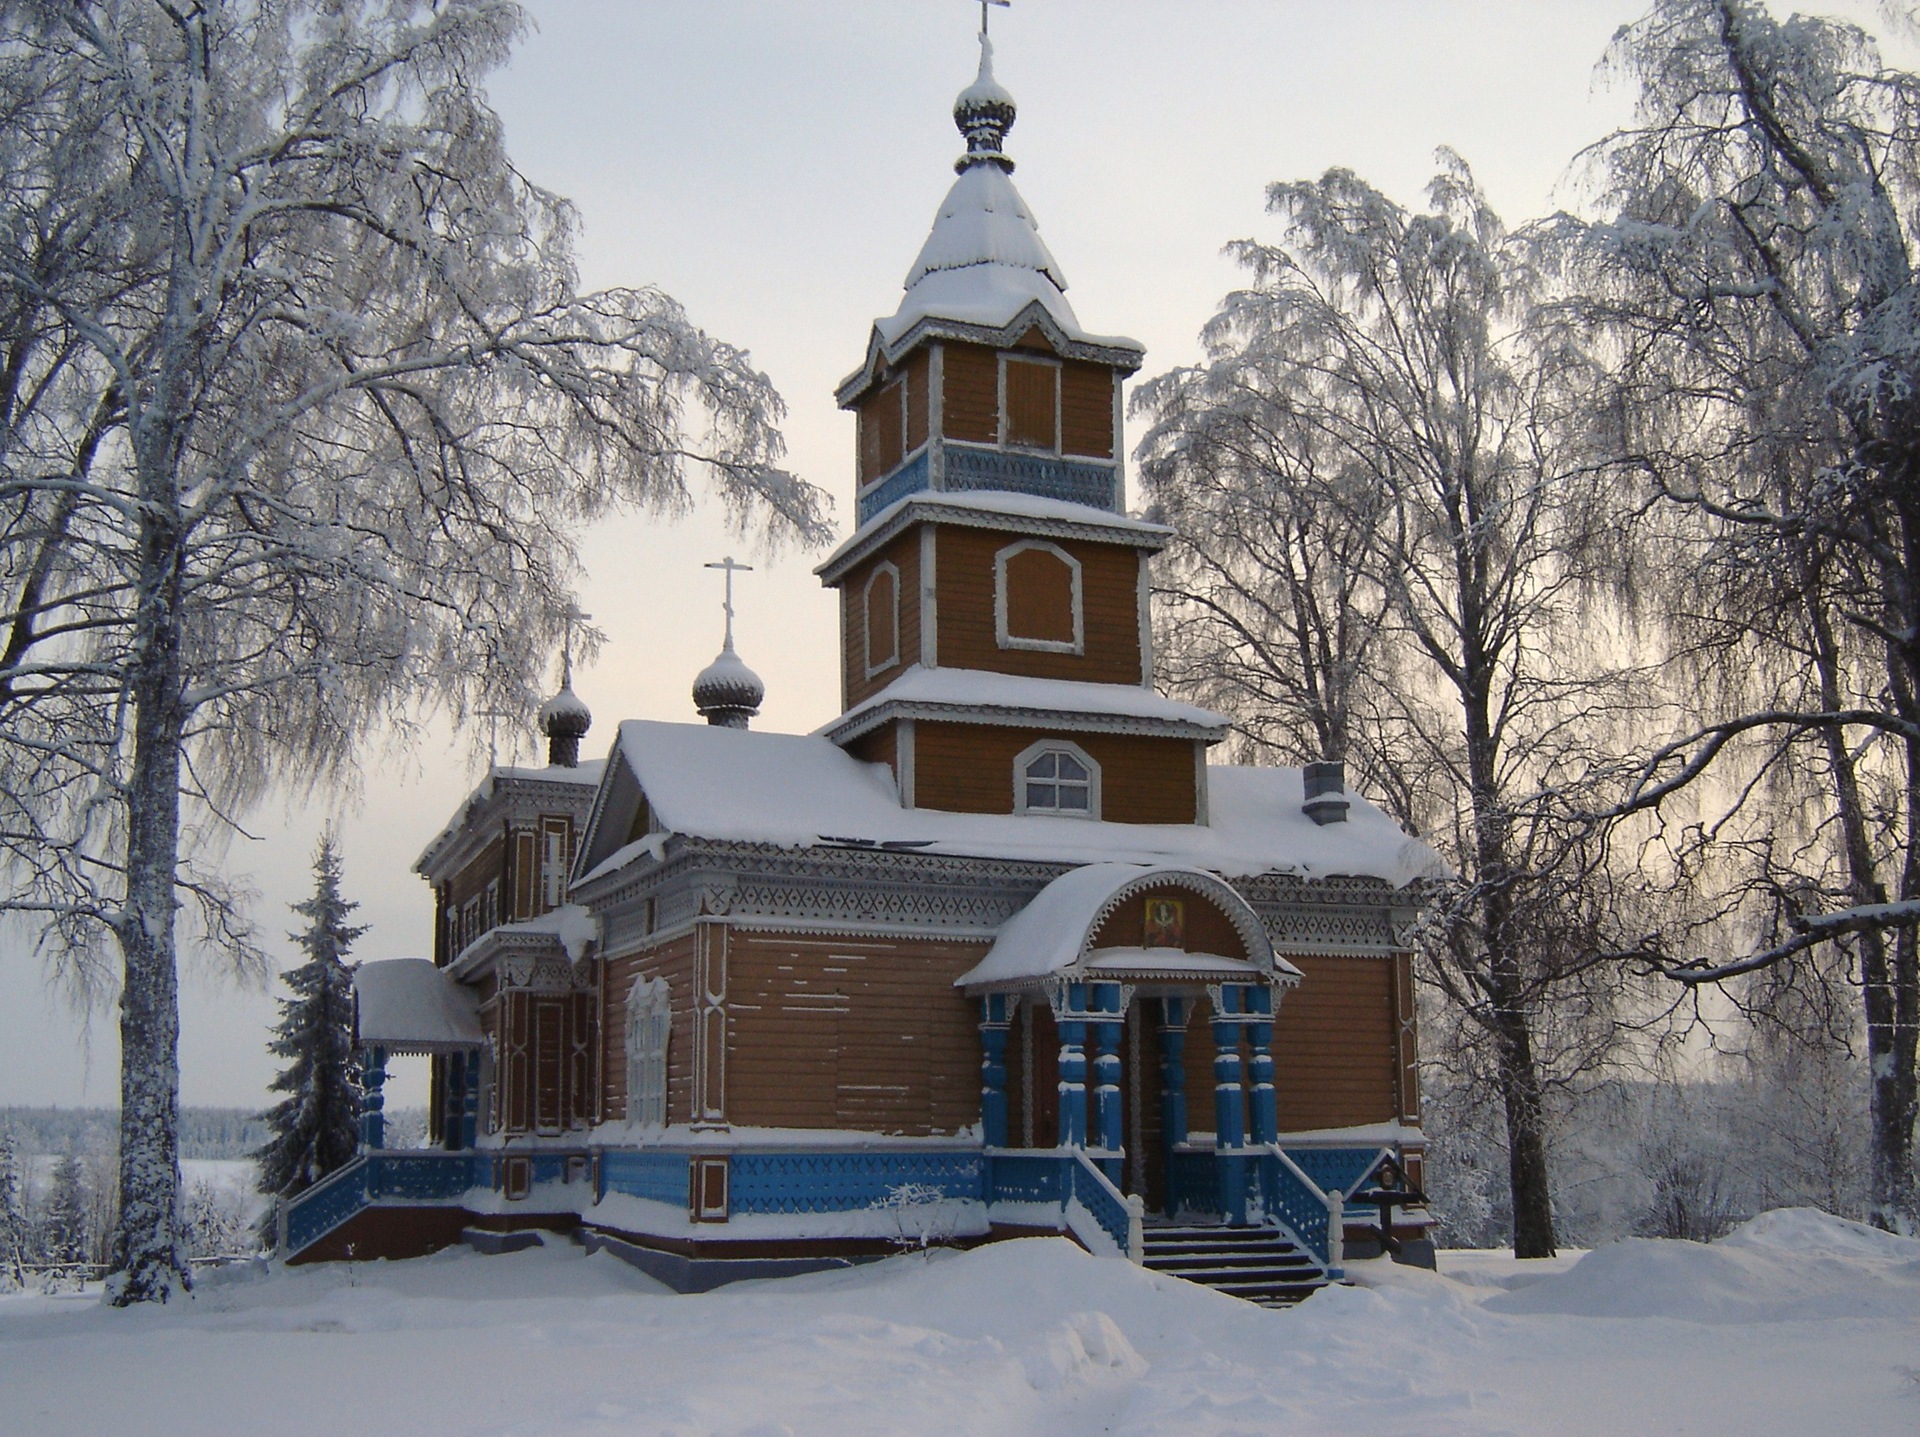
x: 917, y: 369
x: 673, y: 961
x: 1335, y: 1045
x: 483, y: 868
x: 839, y: 1032
x: 1110, y: 604
x: 1086, y: 409
x: 878, y: 746
x: 904, y: 554
x: 1208, y: 929
x: 970, y: 393
x: 968, y: 768
x: 892, y: 418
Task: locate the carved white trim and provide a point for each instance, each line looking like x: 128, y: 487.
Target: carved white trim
x: 649, y: 1031
x: 1010, y: 640
x: 1044, y: 361
x: 892, y: 571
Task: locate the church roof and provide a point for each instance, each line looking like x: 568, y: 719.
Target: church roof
x: 802, y: 791
x: 406, y: 1005
x: 984, y: 696
x: 997, y: 509
x: 984, y: 274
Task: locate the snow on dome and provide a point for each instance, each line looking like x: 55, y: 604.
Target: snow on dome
x: 727, y: 692
x: 983, y: 221
x: 983, y: 113
x: 565, y: 708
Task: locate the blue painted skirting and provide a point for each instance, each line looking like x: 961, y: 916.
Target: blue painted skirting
x: 1050, y: 478
x: 845, y: 1181
x: 426, y: 1176
x: 660, y: 1176
x: 909, y: 478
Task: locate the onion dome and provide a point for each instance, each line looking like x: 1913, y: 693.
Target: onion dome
x: 726, y: 692
x: 564, y: 719
x: 983, y: 113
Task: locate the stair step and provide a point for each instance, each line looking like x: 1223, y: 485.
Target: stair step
x: 1258, y: 1265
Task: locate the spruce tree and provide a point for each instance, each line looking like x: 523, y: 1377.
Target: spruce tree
x: 316, y: 1127
x: 13, y: 1217
x: 66, y: 1224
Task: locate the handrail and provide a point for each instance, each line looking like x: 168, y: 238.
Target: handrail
x: 1117, y: 1214
x: 1320, y: 1224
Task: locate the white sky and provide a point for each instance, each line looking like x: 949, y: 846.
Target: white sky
x: 774, y: 165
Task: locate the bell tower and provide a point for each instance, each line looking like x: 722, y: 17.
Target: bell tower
x: 996, y: 646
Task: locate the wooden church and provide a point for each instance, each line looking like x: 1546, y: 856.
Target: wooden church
x: 995, y: 951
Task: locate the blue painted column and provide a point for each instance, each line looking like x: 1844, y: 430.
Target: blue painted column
x: 470, y: 1112
x: 1263, y: 1104
x: 373, y: 1102
x: 1229, y: 1102
x: 995, y: 1013
x: 1071, y: 1018
x: 1107, y: 999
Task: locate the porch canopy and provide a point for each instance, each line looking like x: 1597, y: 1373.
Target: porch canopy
x: 408, y: 1006
x: 1053, y: 939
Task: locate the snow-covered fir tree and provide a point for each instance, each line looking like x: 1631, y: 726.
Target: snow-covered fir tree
x: 65, y: 1237
x: 316, y: 1126
x: 14, y: 1236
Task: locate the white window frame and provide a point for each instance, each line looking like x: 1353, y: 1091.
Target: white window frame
x: 885, y: 566
x: 648, y: 1036
x: 553, y: 866
x: 1078, y: 644
x: 1055, y: 745
x: 1059, y: 377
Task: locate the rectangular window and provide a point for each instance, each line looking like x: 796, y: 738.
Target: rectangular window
x: 883, y: 427
x: 1031, y: 416
x: 553, y: 863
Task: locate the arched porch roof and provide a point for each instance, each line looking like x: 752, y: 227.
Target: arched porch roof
x: 1052, y: 937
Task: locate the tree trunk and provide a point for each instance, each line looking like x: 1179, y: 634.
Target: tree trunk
x: 149, y: 1255
x: 1526, y: 1136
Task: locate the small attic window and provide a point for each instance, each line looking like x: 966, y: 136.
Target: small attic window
x: 1057, y: 777
x: 1030, y: 403
x: 882, y: 607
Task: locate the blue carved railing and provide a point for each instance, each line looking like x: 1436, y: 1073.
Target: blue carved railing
x: 840, y: 1181
x: 1048, y: 477
x: 1338, y: 1168
x: 1193, y: 1182
x: 1104, y: 1202
x: 1026, y: 1177
x: 413, y: 1177
x: 1281, y: 1192
x: 909, y: 478
x: 655, y: 1174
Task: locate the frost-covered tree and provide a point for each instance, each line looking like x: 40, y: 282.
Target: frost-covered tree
x: 1753, y: 293
x: 300, y: 406
x: 65, y: 1223
x: 15, y: 1237
x: 316, y: 1126
x: 1394, y: 547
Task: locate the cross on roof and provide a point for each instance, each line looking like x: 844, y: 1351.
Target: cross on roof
x: 569, y: 617
x: 731, y: 569
x: 1003, y: 4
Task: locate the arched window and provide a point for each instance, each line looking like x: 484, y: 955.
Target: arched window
x: 882, y: 618
x: 1036, y: 598
x: 1058, y: 778
x: 649, y: 1027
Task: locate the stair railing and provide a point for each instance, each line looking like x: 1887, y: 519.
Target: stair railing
x: 1286, y: 1194
x: 1119, y: 1216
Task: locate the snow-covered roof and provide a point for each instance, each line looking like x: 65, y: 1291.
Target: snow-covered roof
x: 801, y: 790
x: 1054, y: 933
x: 994, y: 509
x: 585, y: 776
x: 987, y: 697
x: 406, y: 1005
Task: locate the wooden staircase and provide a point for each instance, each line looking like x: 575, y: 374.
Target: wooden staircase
x: 1260, y: 1264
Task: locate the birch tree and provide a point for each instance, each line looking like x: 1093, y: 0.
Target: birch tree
x: 300, y: 406
x: 1397, y: 538
x: 1753, y: 293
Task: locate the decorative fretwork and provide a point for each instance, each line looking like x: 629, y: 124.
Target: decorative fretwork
x: 845, y: 1181
x: 658, y: 1175
x: 909, y: 478
x: 1075, y: 481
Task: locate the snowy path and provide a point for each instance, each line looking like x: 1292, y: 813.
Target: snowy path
x: 1799, y: 1324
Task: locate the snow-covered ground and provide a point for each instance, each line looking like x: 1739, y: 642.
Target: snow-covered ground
x: 1799, y: 1323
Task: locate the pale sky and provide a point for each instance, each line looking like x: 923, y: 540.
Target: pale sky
x: 775, y: 165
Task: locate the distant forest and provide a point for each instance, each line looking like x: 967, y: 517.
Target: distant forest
x: 204, y: 1132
